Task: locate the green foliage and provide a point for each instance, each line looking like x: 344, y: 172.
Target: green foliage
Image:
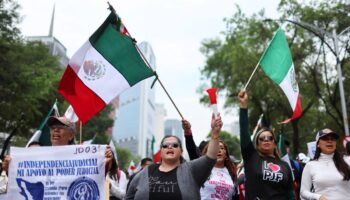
x: 232, y: 143
x: 98, y: 125
x: 230, y: 63
x: 124, y: 158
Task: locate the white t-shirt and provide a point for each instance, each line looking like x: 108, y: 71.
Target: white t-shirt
x: 326, y: 180
x: 219, y: 186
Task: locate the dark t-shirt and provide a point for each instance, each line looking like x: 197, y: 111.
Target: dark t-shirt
x: 267, y: 178
x: 163, y: 185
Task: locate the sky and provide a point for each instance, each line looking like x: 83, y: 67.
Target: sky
x: 174, y: 28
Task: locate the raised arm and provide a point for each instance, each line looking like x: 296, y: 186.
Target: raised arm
x: 213, y: 147
x: 246, y: 143
x: 191, y: 147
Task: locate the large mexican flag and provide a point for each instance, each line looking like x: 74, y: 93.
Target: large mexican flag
x: 278, y: 65
x: 106, y: 65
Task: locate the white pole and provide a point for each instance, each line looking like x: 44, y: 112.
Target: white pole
x: 341, y: 87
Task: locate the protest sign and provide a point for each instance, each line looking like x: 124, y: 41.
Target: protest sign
x: 57, y: 173
x: 311, y: 147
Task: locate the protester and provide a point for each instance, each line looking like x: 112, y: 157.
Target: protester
x: 267, y: 176
x: 117, y: 182
x: 62, y: 132
x: 144, y: 163
x: 193, y: 151
x: 173, y: 178
x: 222, y: 182
x: 329, y: 173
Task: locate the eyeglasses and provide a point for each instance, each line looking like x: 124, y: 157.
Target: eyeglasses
x: 268, y: 138
x: 170, y: 144
x: 59, y: 126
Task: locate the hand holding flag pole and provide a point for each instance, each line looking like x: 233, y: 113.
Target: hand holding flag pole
x: 212, y: 97
x: 147, y: 63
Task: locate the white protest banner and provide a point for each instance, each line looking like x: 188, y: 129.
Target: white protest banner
x: 71, y: 172
x: 311, y: 149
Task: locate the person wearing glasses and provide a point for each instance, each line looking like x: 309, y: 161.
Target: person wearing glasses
x: 329, y: 173
x: 266, y: 175
x: 174, y: 179
x: 62, y: 132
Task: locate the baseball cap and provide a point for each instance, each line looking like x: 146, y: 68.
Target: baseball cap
x: 60, y: 120
x: 325, y: 132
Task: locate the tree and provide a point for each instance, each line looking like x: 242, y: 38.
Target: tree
x: 231, y: 61
x: 124, y: 158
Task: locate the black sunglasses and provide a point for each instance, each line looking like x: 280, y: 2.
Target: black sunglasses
x: 170, y: 144
x: 268, y: 138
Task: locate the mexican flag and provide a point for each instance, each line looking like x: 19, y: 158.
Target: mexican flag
x: 42, y: 135
x: 106, y: 65
x: 283, y: 151
x: 278, y: 65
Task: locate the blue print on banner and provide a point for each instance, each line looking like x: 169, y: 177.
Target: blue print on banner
x: 83, y: 188
x: 29, y: 190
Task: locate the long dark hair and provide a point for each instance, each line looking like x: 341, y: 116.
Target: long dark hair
x: 339, y: 163
x: 182, y: 160
x: 231, y: 167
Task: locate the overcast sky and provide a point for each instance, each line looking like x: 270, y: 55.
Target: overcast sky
x: 174, y: 28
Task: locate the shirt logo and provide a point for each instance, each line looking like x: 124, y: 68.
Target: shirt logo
x: 271, y: 172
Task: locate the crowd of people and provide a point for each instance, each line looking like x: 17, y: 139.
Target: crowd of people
x: 212, y: 173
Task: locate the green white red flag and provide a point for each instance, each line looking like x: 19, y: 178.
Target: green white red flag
x: 277, y: 63
x: 106, y: 65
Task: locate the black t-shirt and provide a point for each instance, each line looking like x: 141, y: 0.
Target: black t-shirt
x: 163, y: 185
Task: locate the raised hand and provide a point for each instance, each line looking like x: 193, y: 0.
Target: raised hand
x: 243, y: 99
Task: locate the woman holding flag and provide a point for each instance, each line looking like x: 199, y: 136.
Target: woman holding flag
x: 267, y: 176
x: 174, y: 179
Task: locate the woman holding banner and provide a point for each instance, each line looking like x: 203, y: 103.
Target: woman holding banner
x: 267, y: 176
x: 173, y: 178
x: 329, y: 173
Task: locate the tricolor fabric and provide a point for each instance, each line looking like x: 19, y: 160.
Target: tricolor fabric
x: 106, y: 65
x: 70, y: 114
x: 277, y: 63
x: 42, y: 135
x: 283, y: 151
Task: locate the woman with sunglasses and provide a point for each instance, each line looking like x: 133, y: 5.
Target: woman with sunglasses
x: 174, y: 179
x: 329, y: 173
x: 222, y: 182
x: 267, y: 176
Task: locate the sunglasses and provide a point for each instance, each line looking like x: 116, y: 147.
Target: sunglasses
x: 268, y: 138
x: 170, y: 144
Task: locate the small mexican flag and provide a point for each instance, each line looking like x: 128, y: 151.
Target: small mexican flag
x: 283, y: 151
x: 42, y: 135
x: 278, y: 65
x: 106, y: 65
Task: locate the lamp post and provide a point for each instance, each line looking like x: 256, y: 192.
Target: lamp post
x: 321, y: 33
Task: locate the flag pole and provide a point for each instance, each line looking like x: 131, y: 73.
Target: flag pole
x: 251, y: 76
x: 81, y: 132
x: 147, y: 63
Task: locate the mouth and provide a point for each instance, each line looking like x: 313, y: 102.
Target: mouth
x: 170, y: 153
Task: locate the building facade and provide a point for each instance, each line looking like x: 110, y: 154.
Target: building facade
x: 134, y: 125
